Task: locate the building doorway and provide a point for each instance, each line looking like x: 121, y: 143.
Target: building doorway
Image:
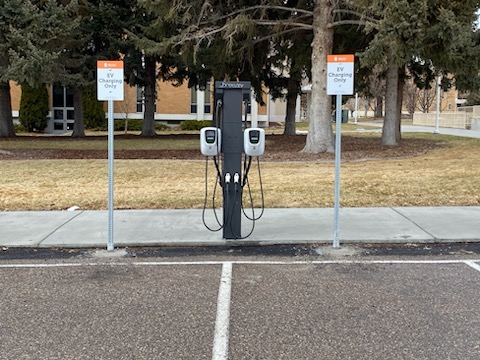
x: 62, y: 110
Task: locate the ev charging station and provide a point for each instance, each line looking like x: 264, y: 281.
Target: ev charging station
x: 226, y: 142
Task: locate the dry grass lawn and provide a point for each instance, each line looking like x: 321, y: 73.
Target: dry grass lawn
x: 448, y: 176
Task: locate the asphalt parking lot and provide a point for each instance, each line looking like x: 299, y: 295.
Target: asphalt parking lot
x: 255, y: 308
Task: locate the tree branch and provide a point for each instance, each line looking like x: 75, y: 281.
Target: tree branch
x: 268, y: 37
x: 257, y: 7
x: 200, y: 35
x: 348, y: 22
x: 356, y: 13
x: 294, y: 24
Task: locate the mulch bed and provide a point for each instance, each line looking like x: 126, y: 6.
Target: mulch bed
x: 278, y: 148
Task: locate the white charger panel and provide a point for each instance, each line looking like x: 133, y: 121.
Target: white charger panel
x: 210, y: 141
x: 254, y: 141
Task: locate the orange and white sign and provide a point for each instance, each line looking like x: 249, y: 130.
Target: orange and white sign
x: 340, y: 69
x: 110, y: 80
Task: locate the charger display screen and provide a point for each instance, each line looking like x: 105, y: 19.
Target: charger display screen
x: 210, y: 136
x: 254, y: 136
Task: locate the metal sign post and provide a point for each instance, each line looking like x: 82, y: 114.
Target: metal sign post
x: 110, y: 88
x: 339, y: 82
x: 338, y: 149
x: 437, y: 105
x: 110, y: 246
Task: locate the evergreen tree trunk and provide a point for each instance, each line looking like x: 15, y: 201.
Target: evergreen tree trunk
x: 320, y: 133
x: 398, y: 134
x: 389, y: 134
x: 78, y: 124
x: 379, y: 108
x: 290, y: 126
x: 148, y: 127
x: 6, y: 119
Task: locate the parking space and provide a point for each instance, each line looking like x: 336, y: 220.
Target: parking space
x: 108, y: 312
x: 355, y: 311
x: 241, y: 310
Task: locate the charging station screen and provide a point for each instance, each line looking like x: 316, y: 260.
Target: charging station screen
x: 210, y: 136
x: 254, y: 137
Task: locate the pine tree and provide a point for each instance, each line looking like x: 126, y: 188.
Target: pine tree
x: 437, y: 32
x: 224, y: 37
x: 98, y: 36
x: 31, y: 36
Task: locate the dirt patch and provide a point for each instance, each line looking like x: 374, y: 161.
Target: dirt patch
x: 279, y: 148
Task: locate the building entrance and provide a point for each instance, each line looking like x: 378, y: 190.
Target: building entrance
x: 63, y: 110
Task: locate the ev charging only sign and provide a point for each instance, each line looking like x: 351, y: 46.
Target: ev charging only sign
x: 339, y: 82
x: 340, y: 74
x: 110, y: 88
x: 109, y: 80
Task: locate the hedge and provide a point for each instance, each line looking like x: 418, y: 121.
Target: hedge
x: 195, y: 124
x: 34, y: 108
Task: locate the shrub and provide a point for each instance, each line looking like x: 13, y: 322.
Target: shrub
x: 195, y: 124
x: 19, y: 128
x: 133, y: 125
x: 93, y: 112
x: 34, y: 108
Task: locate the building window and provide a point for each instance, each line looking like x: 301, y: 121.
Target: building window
x: 193, y: 100
x: 208, y: 99
x: 140, y: 99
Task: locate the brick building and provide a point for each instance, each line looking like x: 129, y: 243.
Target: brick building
x: 174, y: 105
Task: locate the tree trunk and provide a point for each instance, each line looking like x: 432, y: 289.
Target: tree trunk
x: 148, y: 127
x: 398, y: 135
x: 293, y: 85
x: 389, y: 136
x: 78, y: 124
x: 379, y: 108
x: 6, y: 119
x: 320, y: 133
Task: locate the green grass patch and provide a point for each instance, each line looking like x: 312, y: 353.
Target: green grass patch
x: 99, y: 144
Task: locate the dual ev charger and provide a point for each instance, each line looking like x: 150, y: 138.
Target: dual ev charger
x: 232, y: 146
x: 211, y: 141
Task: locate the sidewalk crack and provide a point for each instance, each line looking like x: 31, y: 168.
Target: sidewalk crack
x: 59, y: 227
x: 414, y: 223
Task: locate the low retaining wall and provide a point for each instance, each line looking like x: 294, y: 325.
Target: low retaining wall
x: 454, y: 120
x: 475, y: 125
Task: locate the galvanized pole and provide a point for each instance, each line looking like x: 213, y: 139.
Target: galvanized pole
x: 437, y: 106
x: 110, y: 246
x: 338, y: 147
x: 356, y: 107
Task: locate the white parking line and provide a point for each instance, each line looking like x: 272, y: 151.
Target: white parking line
x: 240, y: 262
x: 222, y: 321
x: 473, y: 265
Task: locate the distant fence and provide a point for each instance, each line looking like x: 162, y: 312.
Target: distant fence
x: 461, y: 119
x: 458, y: 120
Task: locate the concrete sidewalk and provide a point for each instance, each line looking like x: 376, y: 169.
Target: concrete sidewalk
x: 422, y: 129
x: 74, y: 229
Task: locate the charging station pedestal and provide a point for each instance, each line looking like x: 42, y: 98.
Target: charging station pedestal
x: 232, y: 94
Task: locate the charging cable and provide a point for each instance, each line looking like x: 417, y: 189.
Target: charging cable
x: 247, y: 182
x: 245, y: 104
x: 217, y: 181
